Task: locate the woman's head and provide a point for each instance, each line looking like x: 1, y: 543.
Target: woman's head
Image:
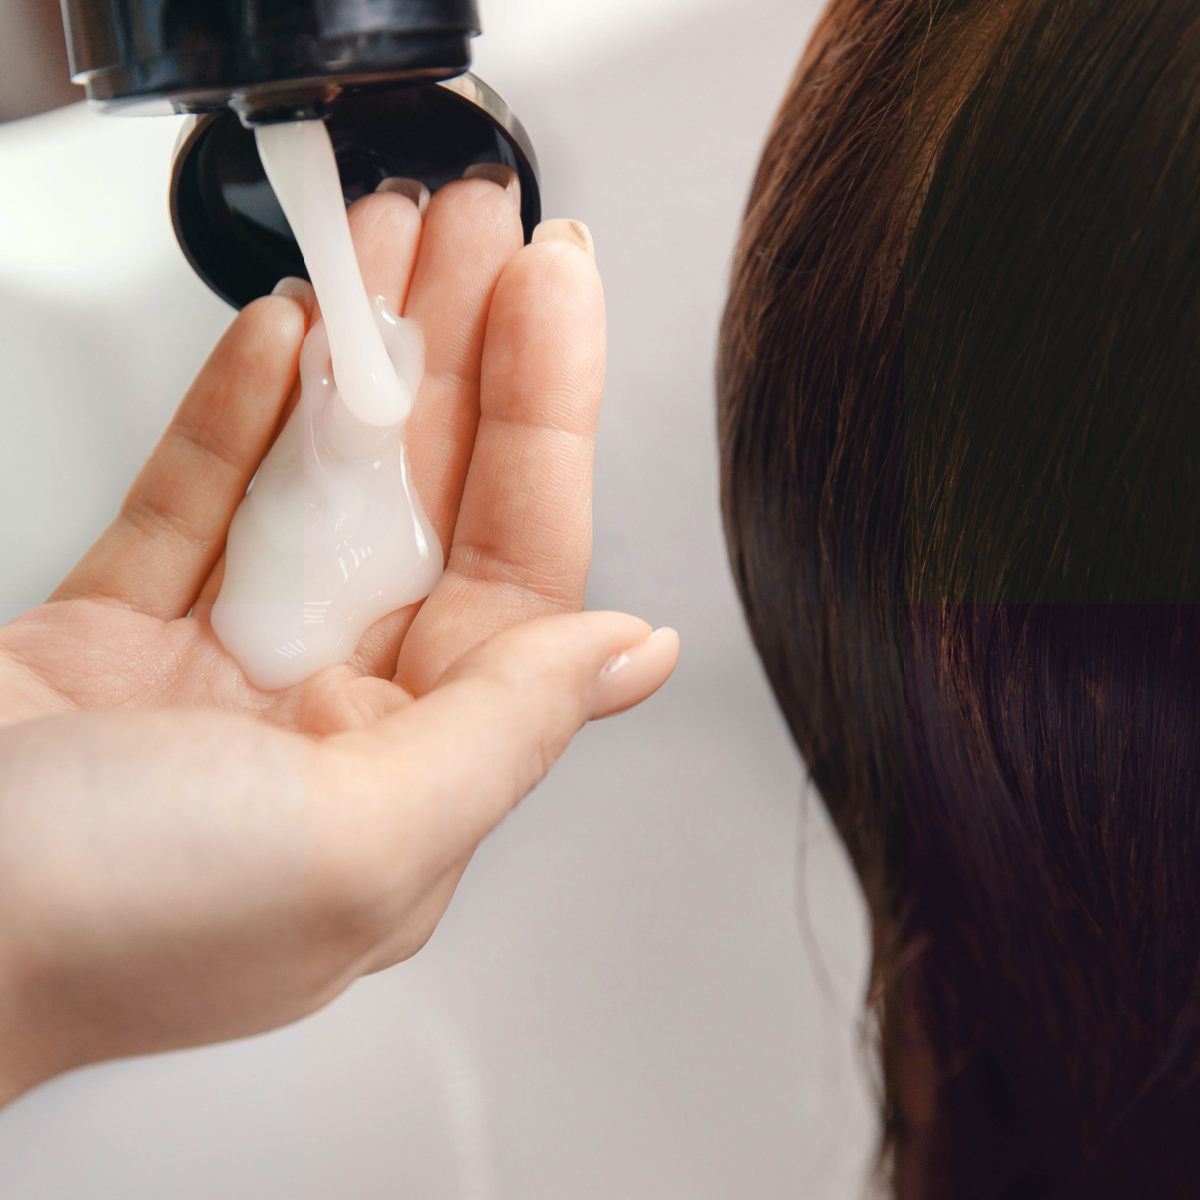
x: 960, y: 423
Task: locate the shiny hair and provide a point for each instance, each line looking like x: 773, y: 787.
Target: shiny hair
x: 959, y: 386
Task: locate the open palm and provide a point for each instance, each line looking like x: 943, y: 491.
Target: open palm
x: 500, y: 443
x: 185, y: 858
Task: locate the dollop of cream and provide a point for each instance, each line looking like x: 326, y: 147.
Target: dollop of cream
x: 331, y: 535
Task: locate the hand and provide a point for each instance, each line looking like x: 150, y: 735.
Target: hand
x: 185, y: 858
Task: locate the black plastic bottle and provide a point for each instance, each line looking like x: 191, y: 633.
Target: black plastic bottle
x: 389, y: 77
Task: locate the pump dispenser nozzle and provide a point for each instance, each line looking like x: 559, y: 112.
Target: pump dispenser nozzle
x: 387, y: 76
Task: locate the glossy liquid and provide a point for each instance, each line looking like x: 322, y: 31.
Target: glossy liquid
x: 331, y: 535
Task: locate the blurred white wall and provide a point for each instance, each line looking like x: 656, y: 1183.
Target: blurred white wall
x: 648, y: 986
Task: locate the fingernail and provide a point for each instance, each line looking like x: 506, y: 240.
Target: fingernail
x: 414, y: 189
x: 295, y: 288
x: 630, y: 677
x: 560, y: 230
x: 496, y: 172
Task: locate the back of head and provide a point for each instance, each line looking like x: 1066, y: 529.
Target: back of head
x: 960, y: 424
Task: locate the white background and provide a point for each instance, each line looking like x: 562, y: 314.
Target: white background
x: 648, y: 986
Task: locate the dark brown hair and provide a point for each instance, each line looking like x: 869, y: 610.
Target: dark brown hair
x: 959, y: 389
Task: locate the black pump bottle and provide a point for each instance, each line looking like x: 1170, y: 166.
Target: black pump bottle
x: 389, y: 77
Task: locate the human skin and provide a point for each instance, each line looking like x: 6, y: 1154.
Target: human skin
x: 34, y: 74
x: 185, y: 858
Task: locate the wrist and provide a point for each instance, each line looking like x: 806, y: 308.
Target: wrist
x: 23, y: 1061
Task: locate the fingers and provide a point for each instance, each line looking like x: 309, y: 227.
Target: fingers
x: 444, y: 770
x: 171, y: 528
x: 522, y: 541
x: 164, y: 544
x: 472, y: 228
x: 386, y: 228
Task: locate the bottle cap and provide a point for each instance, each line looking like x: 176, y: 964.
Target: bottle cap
x: 230, y: 225
x: 200, y: 55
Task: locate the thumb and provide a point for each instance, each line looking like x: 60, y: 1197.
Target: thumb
x: 464, y: 754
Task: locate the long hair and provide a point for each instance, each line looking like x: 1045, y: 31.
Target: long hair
x: 959, y: 385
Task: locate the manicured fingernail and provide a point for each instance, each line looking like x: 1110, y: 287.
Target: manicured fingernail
x: 414, y: 189
x: 630, y: 677
x: 496, y: 172
x: 560, y: 230
x: 295, y: 288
